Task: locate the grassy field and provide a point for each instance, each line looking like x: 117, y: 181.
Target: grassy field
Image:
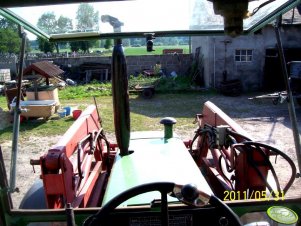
x: 145, y: 114
x: 133, y: 51
x: 158, y: 50
x: 171, y: 94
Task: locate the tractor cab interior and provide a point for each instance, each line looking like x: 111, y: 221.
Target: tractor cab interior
x: 219, y: 177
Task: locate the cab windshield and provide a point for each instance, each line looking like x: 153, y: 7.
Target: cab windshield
x: 135, y: 18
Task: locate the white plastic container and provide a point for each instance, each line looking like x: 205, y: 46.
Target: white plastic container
x: 37, y: 108
x: 5, y: 75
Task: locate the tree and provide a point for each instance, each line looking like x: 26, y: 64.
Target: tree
x: 4, y: 23
x: 27, y: 45
x: 64, y: 24
x: 87, y: 18
x: 49, y: 24
x: 82, y: 45
x: 9, y: 37
x: 137, y: 41
x: 45, y: 45
x: 75, y: 46
x: 9, y: 41
x: 174, y: 42
x: 34, y: 44
x: 108, y: 44
x: 126, y: 42
x: 85, y: 45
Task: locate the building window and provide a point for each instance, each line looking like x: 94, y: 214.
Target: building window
x: 243, y: 55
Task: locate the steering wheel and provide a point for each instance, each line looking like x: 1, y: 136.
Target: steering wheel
x: 188, y: 193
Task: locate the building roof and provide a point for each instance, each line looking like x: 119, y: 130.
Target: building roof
x: 43, y: 68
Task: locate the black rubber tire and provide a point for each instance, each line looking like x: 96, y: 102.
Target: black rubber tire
x: 147, y: 93
x: 34, y: 197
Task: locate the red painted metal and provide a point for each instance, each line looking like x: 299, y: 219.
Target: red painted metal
x: 84, y: 193
x: 187, y: 143
x: 244, y: 177
x: 71, y: 168
x: 253, y: 182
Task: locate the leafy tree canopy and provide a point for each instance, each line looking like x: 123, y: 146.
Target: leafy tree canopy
x: 9, y: 41
x: 64, y: 24
x: 46, y: 46
x: 87, y: 18
x: 108, y: 43
x: 48, y: 23
x: 75, y: 46
x: 4, y: 23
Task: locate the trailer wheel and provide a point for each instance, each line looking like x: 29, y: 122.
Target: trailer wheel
x: 148, y: 93
x: 34, y: 197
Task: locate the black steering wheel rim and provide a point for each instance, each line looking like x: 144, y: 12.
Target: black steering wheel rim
x: 164, y: 188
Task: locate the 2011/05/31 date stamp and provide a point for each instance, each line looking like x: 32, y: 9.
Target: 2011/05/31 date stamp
x: 257, y: 195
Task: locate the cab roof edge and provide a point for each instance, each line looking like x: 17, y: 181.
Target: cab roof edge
x: 25, y: 3
x: 8, y: 14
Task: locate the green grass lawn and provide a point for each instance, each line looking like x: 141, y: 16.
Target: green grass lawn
x: 134, y: 51
x: 158, y: 50
x: 145, y: 114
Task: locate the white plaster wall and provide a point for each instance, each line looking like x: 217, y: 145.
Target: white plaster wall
x: 250, y: 73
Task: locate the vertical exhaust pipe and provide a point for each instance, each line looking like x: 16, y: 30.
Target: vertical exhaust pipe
x: 120, y: 98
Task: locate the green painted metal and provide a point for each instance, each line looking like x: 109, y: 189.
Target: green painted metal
x: 5, y: 200
x: 96, y: 35
x: 266, y: 20
x: 287, y: 216
x: 168, y: 131
x: 17, y: 112
x: 23, y: 217
x: 168, y: 123
x: 153, y: 160
x: 8, y: 14
x: 242, y: 208
x: 13, y: 217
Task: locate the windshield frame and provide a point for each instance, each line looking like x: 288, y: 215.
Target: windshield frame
x: 10, y: 15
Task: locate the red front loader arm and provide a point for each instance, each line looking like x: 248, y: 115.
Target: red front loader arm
x: 225, y: 167
x: 75, y: 169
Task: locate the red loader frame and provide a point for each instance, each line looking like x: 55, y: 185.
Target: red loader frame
x: 76, y: 168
